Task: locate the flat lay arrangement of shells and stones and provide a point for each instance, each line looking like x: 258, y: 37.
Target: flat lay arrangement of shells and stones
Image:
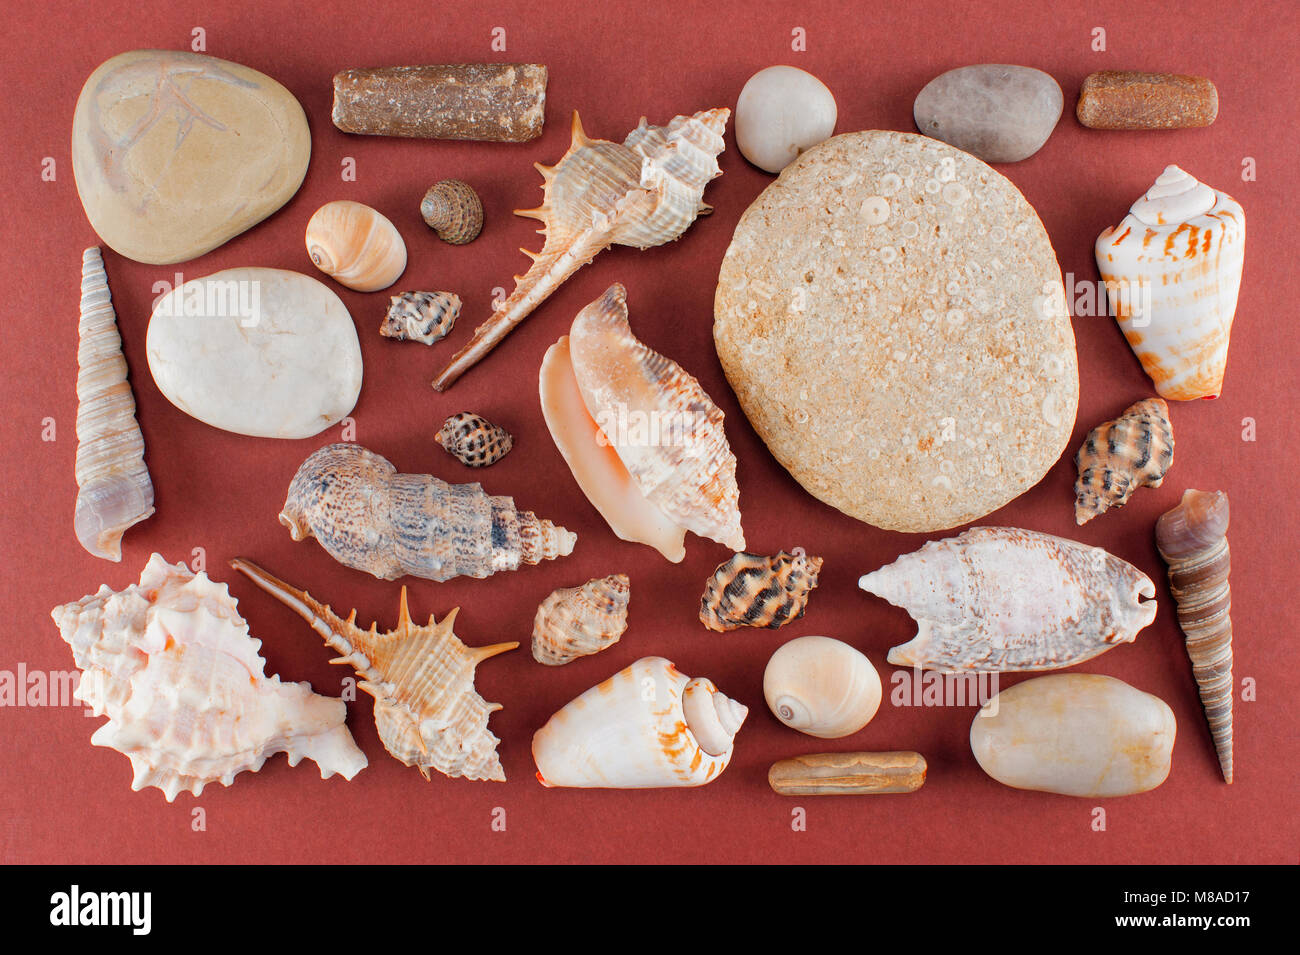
x: 562, y: 530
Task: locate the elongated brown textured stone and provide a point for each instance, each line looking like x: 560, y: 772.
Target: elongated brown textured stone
x: 491, y: 102
x: 848, y: 774
x: 1125, y: 99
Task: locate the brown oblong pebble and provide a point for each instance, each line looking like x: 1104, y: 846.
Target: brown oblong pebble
x: 848, y: 774
x: 1126, y: 99
x: 489, y: 102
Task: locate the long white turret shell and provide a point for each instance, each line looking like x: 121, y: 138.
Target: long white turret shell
x: 1173, y: 270
x: 114, y: 488
x: 646, y: 726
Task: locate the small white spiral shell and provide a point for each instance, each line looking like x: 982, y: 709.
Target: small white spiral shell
x: 821, y: 687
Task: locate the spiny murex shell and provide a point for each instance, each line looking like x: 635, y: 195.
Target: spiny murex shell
x: 173, y: 667
x: 822, y: 687
x: 452, y: 209
x: 356, y: 245
x: 424, y: 317
x: 579, y: 621
x: 751, y: 590
x: 114, y: 490
x: 1077, y: 734
x: 1118, y: 457
x: 1004, y: 599
x: 1173, y: 270
x: 474, y: 440
x: 1193, y: 540
x: 422, y: 678
x: 646, y: 726
x: 642, y: 193
x: 643, y: 440
x: 369, y: 517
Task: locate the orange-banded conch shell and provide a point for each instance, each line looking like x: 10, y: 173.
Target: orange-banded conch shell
x: 643, y: 440
x: 1173, y: 270
x: 1118, y: 457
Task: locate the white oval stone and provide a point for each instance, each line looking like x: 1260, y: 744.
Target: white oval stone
x: 781, y: 112
x: 262, y: 352
x: 1077, y: 734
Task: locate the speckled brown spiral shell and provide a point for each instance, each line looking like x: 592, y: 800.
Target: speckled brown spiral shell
x: 424, y: 317
x: 579, y: 621
x: 755, y: 591
x: 474, y: 440
x: 453, y: 210
x: 1118, y: 457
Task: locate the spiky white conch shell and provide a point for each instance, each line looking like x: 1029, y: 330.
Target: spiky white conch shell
x: 1173, y: 272
x: 172, y: 665
x: 647, y: 726
x: 1007, y: 599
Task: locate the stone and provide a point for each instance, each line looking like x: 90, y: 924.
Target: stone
x: 175, y: 153
x: 262, y: 352
x: 781, y: 112
x: 995, y: 112
x: 1125, y: 99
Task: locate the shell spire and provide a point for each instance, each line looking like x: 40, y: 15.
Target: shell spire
x: 427, y: 711
x: 1193, y: 540
x: 642, y: 193
x: 1118, y: 457
x: 114, y: 488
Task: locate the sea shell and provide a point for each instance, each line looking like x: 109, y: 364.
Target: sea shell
x: 755, y: 591
x: 579, y: 621
x: 782, y: 111
x: 642, y: 193
x: 171, y: 664
x: 1118, y: 457
x: 1173, y: 270
x: 356, y: 245
x: 1006, y: 599
x: 424, y: 317
x: 821, y: 687
x: 114, y: 490
x: 645, y: 727
x: 452, y: 209
x: 473, y: 440
x: 643, y: 440
x: 369, y: 517
x: 1193, y: 540
x: 1077, y: 734
x: 422, y: 678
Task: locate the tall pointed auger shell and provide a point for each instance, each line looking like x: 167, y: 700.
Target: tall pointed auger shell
x: 642, y: 193
x: 114, y: 488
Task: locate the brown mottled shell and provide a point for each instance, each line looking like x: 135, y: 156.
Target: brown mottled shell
x: 579, y: 621
x: 453, y: 210
x: 1118, y: 457
x: 474, y: 440
x: 421, y: 316
x: 755, y: 591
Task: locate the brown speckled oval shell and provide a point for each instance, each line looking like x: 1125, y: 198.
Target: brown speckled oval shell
x: 474, y: 440
x: 453, y: 210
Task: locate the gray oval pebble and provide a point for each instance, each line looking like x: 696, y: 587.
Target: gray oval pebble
x: 996, y: 112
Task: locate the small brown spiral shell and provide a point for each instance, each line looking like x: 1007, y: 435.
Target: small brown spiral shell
x: 751, y: 590
x: 474, y: 440
x: 453, y: 210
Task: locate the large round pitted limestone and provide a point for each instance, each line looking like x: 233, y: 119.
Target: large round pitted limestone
x: 263, y: 352
x: 174, y: 153
x: 891, y: 316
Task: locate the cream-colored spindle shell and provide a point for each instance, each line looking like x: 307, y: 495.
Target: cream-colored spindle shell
x: 645, y: 727
x: 822, y: 687
x: 1173, y: 271
x: 356, y: 245
x: 114, y: 488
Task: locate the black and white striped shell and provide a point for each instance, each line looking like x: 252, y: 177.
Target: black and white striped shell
x: 579, y: 621
x: 473, y: 440
x: 1118, y: 457
x: 425, y: 317
x: 751, y: 590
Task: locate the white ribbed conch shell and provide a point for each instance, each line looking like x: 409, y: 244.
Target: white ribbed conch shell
x: 356, y: 245
x: 427, y: 711
x: 171, y: 664
x: 1006, y: 599
x: 1173, y: 270
x: 642, y: 193
x: 114, y: 488
x: 647, y: 726
x: 822, y: 687
x: 643, y: 440
x: 579, y: 621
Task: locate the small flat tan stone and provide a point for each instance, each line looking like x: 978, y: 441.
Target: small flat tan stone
x: 175, y: 153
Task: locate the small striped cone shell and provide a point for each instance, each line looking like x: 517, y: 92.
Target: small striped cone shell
x: 579, y: 621
x: 172, y: 665
x: 751, y: 590
x: 1193, y: 540
x: 1118, y: 457
x: 452, y: 209
x: 424, y: 317
x: 422, y: 678
x: 473, y: 440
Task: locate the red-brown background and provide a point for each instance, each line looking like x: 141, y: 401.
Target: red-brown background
x: 62, y: 800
